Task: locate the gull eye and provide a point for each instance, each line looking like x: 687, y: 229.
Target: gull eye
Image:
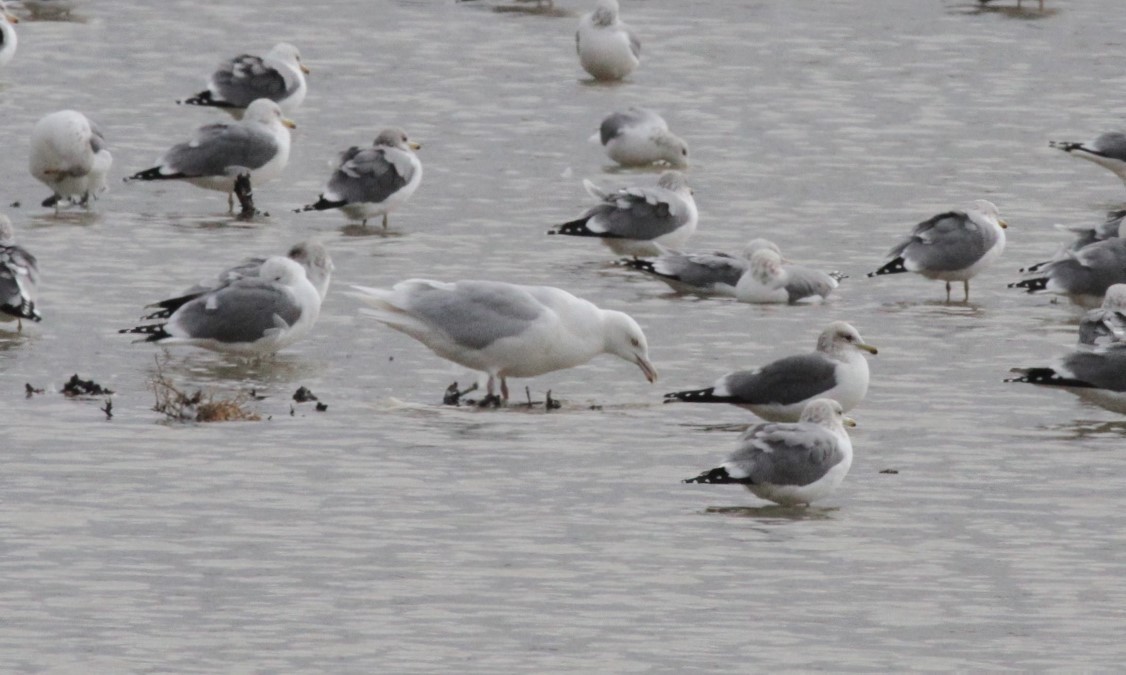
x: 634, y: 342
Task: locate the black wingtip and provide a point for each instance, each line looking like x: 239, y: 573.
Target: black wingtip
x: 154, y: 332
x: 717, y: 475
x: 642, y: 264
x: 575, y: 228
x: 149, y: 174
x: 204, y: 98
x: 697, y: 396
x: 896, y: 266
x: 1032, y: 285
x: 24, y: 310
x: 321, y: 204
x: 1047, y: 377
x: 1066, y: 146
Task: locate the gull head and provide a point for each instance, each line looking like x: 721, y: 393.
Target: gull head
x: 605, y: 13
x: 674, y: 181
x: 766, y: 265
x: 265, y: 111
x: 287, y: 53
x: 1115, y: 298
x: 7, y: 232
x: 282, y: 270
x: 395, y: 138
x: 673, y: 149
x: 314, y: 258
x: 826, y: 412
x: 988, y: 210
x: 624, y: 339
x: 840, y: 337
x: 759, y: 244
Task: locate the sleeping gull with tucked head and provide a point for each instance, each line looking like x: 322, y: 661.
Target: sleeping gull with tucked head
x: 639, y: 137
x: 1083, y: 275
x: 769, y: 280
x: 639, y: 221
x: 1097, y: 376
x: 250, y: 316
x: 791, y: 463
x: 952, y: 246
x: 279, y: 76
x: 1106, y: 324
x: 369, y: 182
x: 19, y: 278
x: 607, y: 48
x: 780, y: 390
x: 69, y: 155
x: 506, y: 330
x: 1108, y: 151
x: 218, y: 154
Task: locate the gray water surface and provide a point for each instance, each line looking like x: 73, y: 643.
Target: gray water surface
x: 392, y: 534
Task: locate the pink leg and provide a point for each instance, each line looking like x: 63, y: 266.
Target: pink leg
x: 503, y: 389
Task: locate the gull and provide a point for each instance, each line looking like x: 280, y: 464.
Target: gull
x: 952, y: 246
x: 607, y: 48
x: 19, y: 278
x: 257, y: 145
x: 1084, y: 275
x: 311, y: 255
x: 249, y: 317
x: 639, y: 221
x: 1112, y: 226
x: 278, y: 76
x: 1097, y: 376
x: 769, y: 280
x: 8, y: 39
x: 507, y: 330
x: 780, y: 390
x: 1106, y: 324
x: 639, y: 137
x: 1108, y: 151
x: 791, y: 463
x: 369, y: 182
x: 69, y: 156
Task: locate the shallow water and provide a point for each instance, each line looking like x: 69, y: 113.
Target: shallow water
x: 391, y: 534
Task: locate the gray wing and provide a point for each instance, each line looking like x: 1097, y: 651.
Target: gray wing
x: 1105, y: 369
x: 1102, y: 326
x: 701, y: 269
x: 786, y: 381
x: 638, y: 213
x: 475, y: 313
x: 219, y: 148
x: 19, y: 277
x: 244, y: 311
x: 804, y: 282
x: 246, y: 78
x: 369, y: 175
x: 786, y: 454
x: 1091, y: 270
x: 949, y: 241
x: 616, y: 123
x: 97, y: 139
x: 1111, y: 145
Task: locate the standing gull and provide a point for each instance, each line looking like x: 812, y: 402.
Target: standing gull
x: 780, y: 390
x: 69, y: 155
x: 19, y: 278
x: 639, y: 221
x: 1084, y: 275
x: 607, y: 48
x: 369, y: 182
x: 278, y: 76
x: 791, y: 463
x: 952, y: 246
x: 1108, y: 151
x: 8, y: 39
x: 257, y: 145
x: 250, y: 316
x: 1097, y: 376
x: 506, y: 330
x: 639, y: 137
x: 1106, y: 324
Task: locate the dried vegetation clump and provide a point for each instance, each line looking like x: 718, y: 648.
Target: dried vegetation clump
x: 198, y: 407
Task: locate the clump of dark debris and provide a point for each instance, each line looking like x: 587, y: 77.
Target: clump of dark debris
x: 304, y: 395
x: 30, y: 390
x: 76, y: 386
x: 179, y: 405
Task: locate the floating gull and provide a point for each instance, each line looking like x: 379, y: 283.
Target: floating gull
x: 791, y: 463
x: 769, y: 280
x: 780, y: 390
x: 249, y: 316
x: 19, y: 278
x: 8, y: 39
x: 219, y: 153
x: 607, y: 48
x: 700, y: 273
x: 1097, y: 376
x: 1083, y: 275
x: 639, y: 221
x: 506, y: 330
x: 311, y: 255
x: 279, y: 76
x: 1107, y: 324
x: 952, y: 246
x: 369, y: 182
x: 1108, y: 151
x: 69, y: 155
x: 639, y: 137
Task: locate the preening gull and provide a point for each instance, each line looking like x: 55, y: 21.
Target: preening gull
x: 250, y: 316
x: 607, y: 48
x: 639, y: 137
x: 768, y: 279
x: 780, y: 390
x: 219, y: 153
x: 506, y: 330
x: 8, y: 39
x: 1084, y: 275
x: 311, y: 255
x: 1108, y: 151
x: 1106, y: 324
x: 791, y: 463
x: 952, y: 246
x: 279, y: 76
x: 639, y: 221
x: 19, y: 278
x: 1098, y: 376
x: 1112, y: 226
x: 69, y: 155
x: 369, y: 182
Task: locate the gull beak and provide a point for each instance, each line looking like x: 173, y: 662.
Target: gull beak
x: 1002, y: 223
x: 304, y: 68
x: 647, y: 368
x: 868, y: 348
x: 848, y: 421
x: 414, y: 146
x: 288, y: 123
